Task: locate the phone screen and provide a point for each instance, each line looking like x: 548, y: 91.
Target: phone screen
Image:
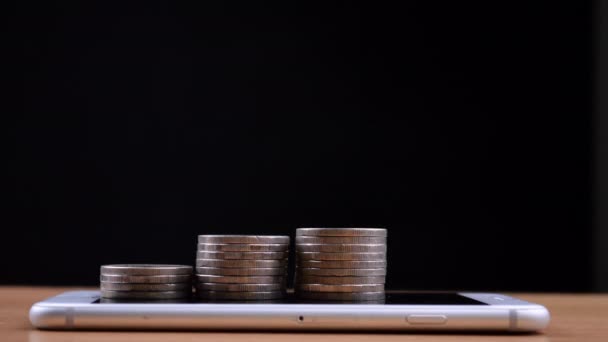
x: 398, y: 298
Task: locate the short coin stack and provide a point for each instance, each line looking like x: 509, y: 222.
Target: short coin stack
x: 340, y: 264
x: 241, y: 267
x: 146, y: 281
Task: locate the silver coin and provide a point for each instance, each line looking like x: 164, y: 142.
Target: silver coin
x: 240, y: 287
x: 145, y: 287
x: 243, y: 247
x: 240, y: 295
x: 241, y: 263
x: 381, y: 232
x: 239, y: 279
x: 170, y: 279
x: 306, y: 279
x: 340, y: 263
x: 242, y: 271
x: 240, y: 239
x: 342, y: 272
x: 339, y: 288
x: 344, y: 248
x: 144, y: 294
x: 185, y: 299
x: 242, y: 255
x: 338, y: 301
x: 340, y: 239
x: 343, y: 296
x: 203, y: 299
x: 341, y: 256
x: 146, y: 269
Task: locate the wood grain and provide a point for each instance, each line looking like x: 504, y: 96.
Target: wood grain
x: 575, y: 317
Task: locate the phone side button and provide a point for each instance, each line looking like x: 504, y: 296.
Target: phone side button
x: 427, y: 319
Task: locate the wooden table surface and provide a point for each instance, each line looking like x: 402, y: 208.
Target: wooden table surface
x: 575, y: 317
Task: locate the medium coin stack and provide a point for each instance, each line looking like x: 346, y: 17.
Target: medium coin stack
x: 241, y: 267
x: 347, y: 264
x: 145, y: 281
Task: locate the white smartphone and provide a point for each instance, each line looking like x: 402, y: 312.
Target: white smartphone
x: 400, y: 311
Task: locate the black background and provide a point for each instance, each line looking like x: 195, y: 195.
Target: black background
x: 464, y: 128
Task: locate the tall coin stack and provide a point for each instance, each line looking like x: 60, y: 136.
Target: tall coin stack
x: 241, y: 267
x: 145, y: 281
x: 340, y: 264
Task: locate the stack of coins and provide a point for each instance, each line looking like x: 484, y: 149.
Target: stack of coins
x: 145, y: 281
x: 337, y: 264
x: 241, y: 267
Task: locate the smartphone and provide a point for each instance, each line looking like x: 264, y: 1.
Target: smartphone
x: 399, y: 311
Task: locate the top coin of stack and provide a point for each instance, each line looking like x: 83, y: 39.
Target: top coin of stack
x: 340, y: 263
x: 145, y: 281
x: 241, y: 267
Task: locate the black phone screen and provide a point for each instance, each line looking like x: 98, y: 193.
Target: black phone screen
x: 391, y: 298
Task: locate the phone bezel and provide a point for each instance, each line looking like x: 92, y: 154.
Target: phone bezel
x: 75, y: 310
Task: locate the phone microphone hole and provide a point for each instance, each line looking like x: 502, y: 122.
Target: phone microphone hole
x: 301, y: 318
